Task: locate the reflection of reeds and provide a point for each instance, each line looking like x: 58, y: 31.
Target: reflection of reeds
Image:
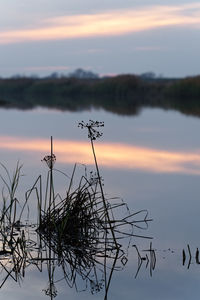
x: 189, y: 256
x: 75, y: 229
x: 9, y: 219
x: 149, y: 258
x: 82, y: 233
x: 84, y: 224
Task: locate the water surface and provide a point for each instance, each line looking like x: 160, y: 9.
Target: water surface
x: 152, y: 161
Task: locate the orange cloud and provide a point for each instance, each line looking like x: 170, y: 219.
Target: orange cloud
x: 111, y: 23
x: 112, y: 155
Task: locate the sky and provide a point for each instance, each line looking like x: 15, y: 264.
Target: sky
x: 107, y: 37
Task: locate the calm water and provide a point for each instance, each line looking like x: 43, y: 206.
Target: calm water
x: 152, y: 161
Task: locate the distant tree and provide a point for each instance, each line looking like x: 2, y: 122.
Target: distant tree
x: 83, y: 74
x: 148, y: 75
x: 53, y: 75
x: 34, y: 76
x: 16, y: 76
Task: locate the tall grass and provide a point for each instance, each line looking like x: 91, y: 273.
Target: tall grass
x: 80, y: 233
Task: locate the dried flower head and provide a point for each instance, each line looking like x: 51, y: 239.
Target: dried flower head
x: 50, y: 160
x: 51, y: 290
x: 93, y: 134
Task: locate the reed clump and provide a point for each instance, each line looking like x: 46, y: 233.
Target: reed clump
x: 82, y: 233
x: 85, y: 218
x: 85, y: 229
x: 78, y: 219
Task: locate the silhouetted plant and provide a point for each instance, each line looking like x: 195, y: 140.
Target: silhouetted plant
x: 78, y: 233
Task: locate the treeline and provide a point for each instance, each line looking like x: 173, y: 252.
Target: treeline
x: 123, y: 94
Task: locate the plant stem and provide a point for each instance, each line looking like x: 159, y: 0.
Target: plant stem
x: 102, y: 192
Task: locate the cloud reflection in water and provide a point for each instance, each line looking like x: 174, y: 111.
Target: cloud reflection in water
x: 112, y: 155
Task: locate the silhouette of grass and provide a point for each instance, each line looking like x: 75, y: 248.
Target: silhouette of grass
x: 80, y: 233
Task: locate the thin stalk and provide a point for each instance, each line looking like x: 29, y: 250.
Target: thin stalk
x: 101, y: 188
x: 46, y: 193
x: 28, y: 194
x: 111, y: 273
x: 106, y: 215
x: 14, y: 217
x: 51, y: 173
x: 71, y: 181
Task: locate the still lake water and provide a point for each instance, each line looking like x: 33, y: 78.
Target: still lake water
x: 151, y: 160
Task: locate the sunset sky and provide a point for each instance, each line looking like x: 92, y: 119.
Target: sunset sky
x: 107, y: 37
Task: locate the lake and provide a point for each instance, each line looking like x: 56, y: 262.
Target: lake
x: 151, y: 160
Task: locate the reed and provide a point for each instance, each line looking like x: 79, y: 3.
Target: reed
x: 80, y: 233
x: 84, y: 222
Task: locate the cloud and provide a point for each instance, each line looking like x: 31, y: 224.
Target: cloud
x: 110, y: 155
x: 109, y: 23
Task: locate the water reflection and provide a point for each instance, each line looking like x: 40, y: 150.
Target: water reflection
x: 114, y: 155
x: 82, y: 234
x: 149, y: 258
x: 187, y: 255
x: 172, y: 199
